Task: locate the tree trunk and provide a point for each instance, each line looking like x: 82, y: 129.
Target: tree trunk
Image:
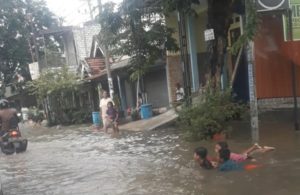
x: 47, y: 110
x: 219, y: 16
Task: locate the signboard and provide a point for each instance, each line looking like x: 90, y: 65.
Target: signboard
x: 209, y: 35
x: 295, y: 22
x: 34, y: 70
x: 269, y: 5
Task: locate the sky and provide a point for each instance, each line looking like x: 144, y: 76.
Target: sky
x: 74, y: 12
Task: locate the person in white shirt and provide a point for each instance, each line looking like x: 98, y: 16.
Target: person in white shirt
x: 103, y: 106
x: 179, y: 93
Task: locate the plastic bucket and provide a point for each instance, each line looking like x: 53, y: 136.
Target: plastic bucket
x: 146, y: 111
x: 96, y: 118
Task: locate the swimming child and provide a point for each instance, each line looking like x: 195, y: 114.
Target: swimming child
x: 200, y: 156
x: 244, y: 155
x: 111, y: 118
x: 225, y: 163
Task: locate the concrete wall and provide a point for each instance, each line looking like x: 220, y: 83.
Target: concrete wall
x: 174, y: 68
x: 130, y: 98
x: 156, y: 88
x: 200, y: 26
x: 174, y: 75
x: 276, y: 103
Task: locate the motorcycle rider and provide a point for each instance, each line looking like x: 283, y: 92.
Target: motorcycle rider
x: 8, y: 117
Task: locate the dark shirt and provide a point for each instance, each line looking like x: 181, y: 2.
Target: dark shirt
x: 112, y: 113
x: 230, y: 166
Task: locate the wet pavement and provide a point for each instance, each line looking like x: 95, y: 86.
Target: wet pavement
x: 77, y: 160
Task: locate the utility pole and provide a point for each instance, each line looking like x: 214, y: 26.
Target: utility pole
x: 99, y: 6
x: 294, y: 73
x: 109, y: 78
x: 30, y: 48
x: 90, y: 8
x: 36, y: 51
x: 184, y: 57
x: 107, y: 64
x: 252, y: 93
x: 252, y: 88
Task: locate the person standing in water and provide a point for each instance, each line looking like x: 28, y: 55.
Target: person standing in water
x: 103, y: 107
x: 112, y: 117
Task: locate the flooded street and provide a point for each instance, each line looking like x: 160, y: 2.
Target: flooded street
x: 76, y: 160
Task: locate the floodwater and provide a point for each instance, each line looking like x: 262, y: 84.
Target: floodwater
x: 77, y: 160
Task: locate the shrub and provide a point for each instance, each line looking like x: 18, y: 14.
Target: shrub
x: 76, y: 116
x: 135, y: 115
x: 210, y: 114
x: 35, y: 114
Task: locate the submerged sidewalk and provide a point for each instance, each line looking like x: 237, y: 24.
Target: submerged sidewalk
x: 151, y: 123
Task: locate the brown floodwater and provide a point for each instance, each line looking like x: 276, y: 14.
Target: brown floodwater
x: 76, y: 160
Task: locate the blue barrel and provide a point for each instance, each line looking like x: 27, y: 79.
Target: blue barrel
x: 146, y: 111
x: 96, y: 118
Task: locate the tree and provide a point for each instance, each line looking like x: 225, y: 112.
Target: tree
x: 19, y: 21
x: 145, y: 37
x: 53, y: 97
x: 137, y: 29
x: 111, y: 23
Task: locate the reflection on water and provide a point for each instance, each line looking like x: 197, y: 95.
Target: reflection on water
x: 79, y: 161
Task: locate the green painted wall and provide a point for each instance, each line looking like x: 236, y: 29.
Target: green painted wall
x: 200, y: 26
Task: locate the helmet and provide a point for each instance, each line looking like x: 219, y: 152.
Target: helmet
x: 4, y: 104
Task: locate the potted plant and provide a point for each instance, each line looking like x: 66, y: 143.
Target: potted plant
x: 134, y: 114
x: 210, y: 116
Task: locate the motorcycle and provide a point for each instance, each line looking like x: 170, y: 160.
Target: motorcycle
x: 12, y: 142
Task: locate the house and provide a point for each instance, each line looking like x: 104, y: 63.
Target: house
x: 194, y: 47
x: 76, y: 44
x: 153, y: 84
x: 69, y: 46
x: 274, y: 59
x: 273, y: 54
x: 82, y: 54
x: 18, y: 97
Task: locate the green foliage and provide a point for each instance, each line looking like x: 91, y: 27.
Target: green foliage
x: 53, y: 82
x: 18, y: 20
x: 145, y: 36
x: 111, y: 23
x: 77, y: 116
x: 135, y: 114
x: 179, y: 5
x: 35, y: 114
x: 136, y: 30
x: 210, y: 114
x: 250, y: 27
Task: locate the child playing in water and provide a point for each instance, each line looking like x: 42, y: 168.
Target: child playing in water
x: 111, y: 118
x: 244, y: 155
x: 225, y: 163
x: 200, y: 156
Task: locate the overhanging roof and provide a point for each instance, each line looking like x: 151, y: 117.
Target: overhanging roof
x: 56, y: 30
